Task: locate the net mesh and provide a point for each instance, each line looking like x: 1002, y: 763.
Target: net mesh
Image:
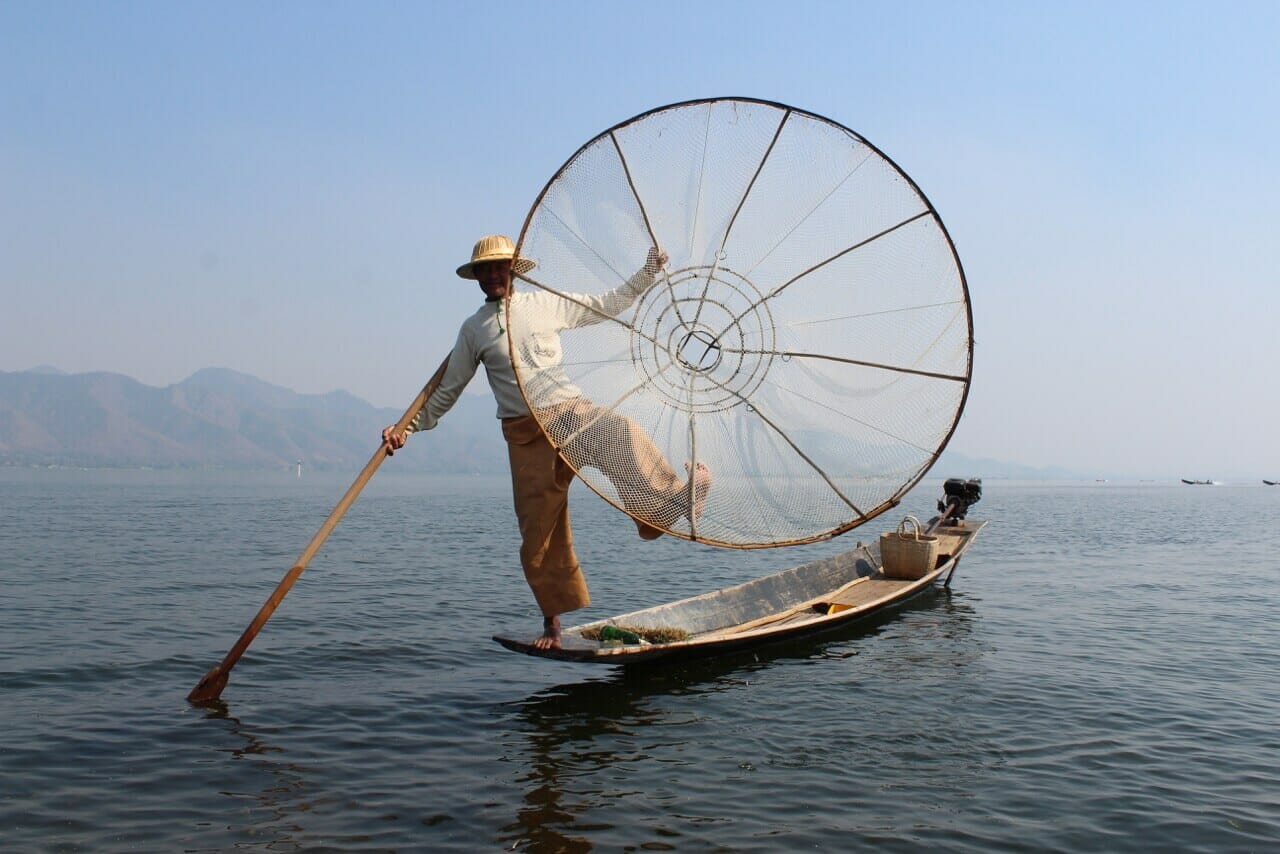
x: 793, y: 368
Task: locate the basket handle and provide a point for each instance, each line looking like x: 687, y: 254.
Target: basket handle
x: 902, y: 525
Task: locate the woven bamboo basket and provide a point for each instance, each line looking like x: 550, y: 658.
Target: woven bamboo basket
x: 908, y: 555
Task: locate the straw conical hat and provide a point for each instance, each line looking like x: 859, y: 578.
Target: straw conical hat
x: 494, y: 247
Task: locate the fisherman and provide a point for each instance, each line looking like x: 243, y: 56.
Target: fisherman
x: 540, y: 474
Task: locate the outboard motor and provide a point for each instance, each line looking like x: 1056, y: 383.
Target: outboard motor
x: 958, y: 495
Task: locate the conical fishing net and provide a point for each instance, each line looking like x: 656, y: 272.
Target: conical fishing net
x: 793, y: 368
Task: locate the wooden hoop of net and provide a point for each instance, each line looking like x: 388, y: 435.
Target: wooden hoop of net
x: 797, y: 364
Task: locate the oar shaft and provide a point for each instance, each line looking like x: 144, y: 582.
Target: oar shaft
x: 210, y: 687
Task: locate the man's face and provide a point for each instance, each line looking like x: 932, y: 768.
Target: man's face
x: 494, y: 278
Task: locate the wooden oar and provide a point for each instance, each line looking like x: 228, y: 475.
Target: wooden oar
x: 787, y: 614
x: 210, y: 687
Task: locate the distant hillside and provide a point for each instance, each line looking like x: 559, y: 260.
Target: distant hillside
x: 952, y: 464
x: 219, y: 418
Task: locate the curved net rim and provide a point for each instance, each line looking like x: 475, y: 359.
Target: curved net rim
x: 911, y: 482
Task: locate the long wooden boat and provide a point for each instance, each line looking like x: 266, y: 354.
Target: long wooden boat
x: 808, y: 599
x: 1271, y: 482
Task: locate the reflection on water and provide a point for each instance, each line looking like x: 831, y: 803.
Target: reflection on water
x: 578, y: 742
x: 579, y: 738
x: 283, y: 794
x: 1102, y: 682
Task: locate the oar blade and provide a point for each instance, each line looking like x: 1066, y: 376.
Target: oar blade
x: 209, y: 689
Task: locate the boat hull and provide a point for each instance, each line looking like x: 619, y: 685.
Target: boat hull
x: 809, y: 599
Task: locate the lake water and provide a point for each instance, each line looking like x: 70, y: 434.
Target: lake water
x: 1104, y: 675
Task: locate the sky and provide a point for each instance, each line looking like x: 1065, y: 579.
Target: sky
x: 286, y: 188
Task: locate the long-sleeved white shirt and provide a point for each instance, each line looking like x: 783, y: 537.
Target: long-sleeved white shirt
x: 540, y: 318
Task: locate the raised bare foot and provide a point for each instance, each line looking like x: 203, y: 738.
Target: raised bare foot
x: 550, y: 634
x: 701, y: 486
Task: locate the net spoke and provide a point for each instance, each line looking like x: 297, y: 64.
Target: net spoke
x: 588, y: 363
x: 604, y: 315
x: 605, y: 410
x: 811, y: 212
x: 809, y: 460
x: 782, y: 434
x: 653, y: 238
x: 691, y: 488
x: 861, y: 243
x: 702, y: 174
x: 626, y: 170
x: 859, y: 421
x: 586, y: 244
x: 897, y: 369
x: 729, y: 228
x: 873, y: 238
x: 798, y: 323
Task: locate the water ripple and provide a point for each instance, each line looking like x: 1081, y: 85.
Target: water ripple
x: 1106, y: 683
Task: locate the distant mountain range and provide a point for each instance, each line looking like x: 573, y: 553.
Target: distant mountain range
x: 219, y: 418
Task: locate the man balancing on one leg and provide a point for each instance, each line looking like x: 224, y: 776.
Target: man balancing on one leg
x: 540, y: 475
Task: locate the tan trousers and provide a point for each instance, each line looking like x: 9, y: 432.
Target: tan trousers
x: 540, y: 480
x: 596, y: 437
x: 540, y: 483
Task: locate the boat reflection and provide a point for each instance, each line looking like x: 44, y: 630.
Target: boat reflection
x: 582, y: 740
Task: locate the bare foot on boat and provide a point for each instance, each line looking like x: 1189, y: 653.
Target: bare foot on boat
x: 550, y: 634
x: 701, y: 486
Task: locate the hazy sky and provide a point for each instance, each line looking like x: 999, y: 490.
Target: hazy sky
x: 285, y: 188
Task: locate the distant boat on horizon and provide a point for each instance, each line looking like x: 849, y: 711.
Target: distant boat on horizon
x: 1271, y: 482
x: 1204, y: 482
